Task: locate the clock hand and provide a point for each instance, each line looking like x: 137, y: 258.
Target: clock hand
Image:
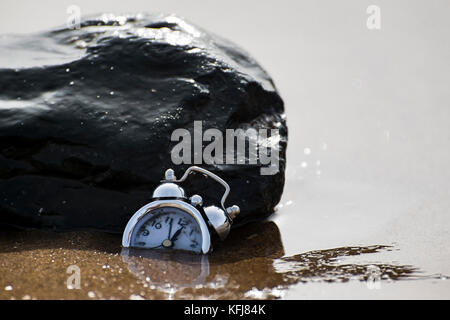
x: 176, y: 234
x: 170, y: 229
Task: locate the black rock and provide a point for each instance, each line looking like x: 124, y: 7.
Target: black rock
x: 86, y: 117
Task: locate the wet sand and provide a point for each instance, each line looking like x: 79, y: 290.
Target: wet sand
x: 251, y: 265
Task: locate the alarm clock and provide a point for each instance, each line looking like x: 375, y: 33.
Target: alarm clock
x: 175, y: 221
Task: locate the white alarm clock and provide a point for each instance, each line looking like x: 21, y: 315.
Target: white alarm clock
x: 172, y: 220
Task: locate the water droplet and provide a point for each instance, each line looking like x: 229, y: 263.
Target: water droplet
x: 111, y: 93
x: 71, y: 83
x: 68, y: 70
x: 91, y: 294
x: 304, y: 164
x: 8, y: 288
x: 307, y: 151
x: 80, y: 44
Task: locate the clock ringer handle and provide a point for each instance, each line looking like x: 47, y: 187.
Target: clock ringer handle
x: 213, y: 176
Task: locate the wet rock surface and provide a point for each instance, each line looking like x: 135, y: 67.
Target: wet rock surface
x: 86, y: 117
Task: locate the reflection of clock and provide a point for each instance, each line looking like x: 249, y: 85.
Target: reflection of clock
x: 172, y: 221
x: 161, y: 268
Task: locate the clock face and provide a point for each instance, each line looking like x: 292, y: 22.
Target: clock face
x: 167, y: 228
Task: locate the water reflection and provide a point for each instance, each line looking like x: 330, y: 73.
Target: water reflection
x: 167, y: 269
x: 251, y: 265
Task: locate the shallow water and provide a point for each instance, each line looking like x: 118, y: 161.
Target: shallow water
x: 252, y: 265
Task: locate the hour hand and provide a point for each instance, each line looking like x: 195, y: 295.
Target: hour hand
x: 168, y: 243
x: 170, y: 228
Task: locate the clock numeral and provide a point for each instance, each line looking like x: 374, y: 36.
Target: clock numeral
x: 168, y: 220
x: 145, y: 232
x: 182, y: 222
x: 142, y: 244
x: 194, y: 244
x: 155, y: 224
